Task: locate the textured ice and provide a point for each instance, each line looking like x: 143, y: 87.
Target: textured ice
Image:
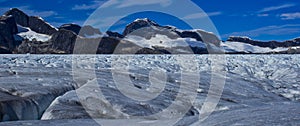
x: 259, y: 89
x: 27, y: 87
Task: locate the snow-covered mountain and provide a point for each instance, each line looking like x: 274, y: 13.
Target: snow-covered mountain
x: 149, y: 35
x: 242, y: 44
x: 21, y: 33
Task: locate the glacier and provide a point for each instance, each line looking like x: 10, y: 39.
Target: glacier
x: 259, y: 89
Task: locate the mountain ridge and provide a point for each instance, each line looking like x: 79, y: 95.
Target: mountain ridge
x: 142, y: 36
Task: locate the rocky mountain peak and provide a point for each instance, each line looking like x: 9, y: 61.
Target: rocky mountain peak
x: 137, y: 24
x: 20, y: 17
x: 38, y: 25
x: 239, y: 39
x: 88, y: 30
x: 148, y: 28
x: 35, y: 23
x: 297, y: 39
x: 84, y: 31
x: 71, y: 27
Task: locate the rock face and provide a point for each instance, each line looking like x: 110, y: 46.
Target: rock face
x: 137, y: 24
x: 114, y: 34
x: 35, y: 23
x: 63, y: 40
x: 85, y: 31
x: 10, y: 22
x: 8, y: 28
x: 38, y: 25
x: 4, y: 50
x: 71, y: 27
x: 148, y: 29
x: 89, y: 31
x: 35, y: 47
x: 270, y: 44
x: 20, y: 17
x: 150, y: 51
x: 190, y: 34
x: 107, y: 45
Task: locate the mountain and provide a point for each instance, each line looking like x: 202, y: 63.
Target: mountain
x: 166, y: 39
x: 147, y: 28
x: 270, y: 44
x: 21, y: 34
x: 240, y: 44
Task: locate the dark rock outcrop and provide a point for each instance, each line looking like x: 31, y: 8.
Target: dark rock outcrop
x: 35, y: 47
x: 89, y: 31
x: 197, y: 50
x: 8, y: 28
x: 151, y: 51
x: 81, y: 31
x: 114, y: 34
x: 71, y: 27
x: 9, y: 21
x: 20, y: 17
x: 63, y: 40
x: 270, y: 44
x: 108, y: 45
x: 4, y: 50
x: 104, y: 45
x: 189, y: 34
x: 38, y: 25
x: 147, y: 29
x: 137, y: 24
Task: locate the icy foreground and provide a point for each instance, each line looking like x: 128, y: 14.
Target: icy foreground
x: 259, y: 89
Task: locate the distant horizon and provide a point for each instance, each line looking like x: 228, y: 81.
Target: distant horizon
x: 260, y: 20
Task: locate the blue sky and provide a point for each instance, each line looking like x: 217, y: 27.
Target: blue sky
x: 259, y: 19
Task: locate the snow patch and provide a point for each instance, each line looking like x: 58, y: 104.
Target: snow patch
x: 27, y: 33
x: 164, y: 41
x: 244, y: 37
x: 248, y: 48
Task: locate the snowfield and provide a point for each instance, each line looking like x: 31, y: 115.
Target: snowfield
x: 70, y: 90
x: 164, y: 41
x: 232, y: 47
x: 27, y: 33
